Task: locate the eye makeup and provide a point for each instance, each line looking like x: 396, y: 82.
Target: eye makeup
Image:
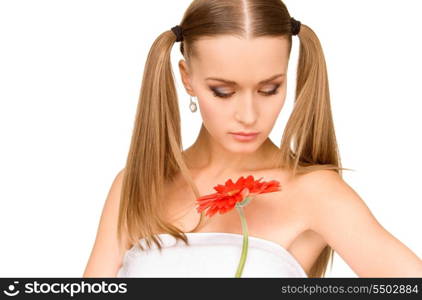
x: 218, y: 93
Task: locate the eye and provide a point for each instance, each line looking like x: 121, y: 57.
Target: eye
x: 272, y: 92
x: 219, y: 94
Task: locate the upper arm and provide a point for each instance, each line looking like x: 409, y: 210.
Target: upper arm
x: 107, y: 254
x: 342, y: 218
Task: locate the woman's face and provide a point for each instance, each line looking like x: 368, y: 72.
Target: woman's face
x: 240, y: 85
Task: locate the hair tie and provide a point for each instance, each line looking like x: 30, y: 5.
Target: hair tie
x: 295, y: 25
x: 178, y: 32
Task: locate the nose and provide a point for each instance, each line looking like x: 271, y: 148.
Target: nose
x: 245, y: 110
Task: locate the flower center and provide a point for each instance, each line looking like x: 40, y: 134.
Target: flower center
x: 231, y: 193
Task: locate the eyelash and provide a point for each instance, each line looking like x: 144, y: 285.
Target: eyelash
x: 222, y: 95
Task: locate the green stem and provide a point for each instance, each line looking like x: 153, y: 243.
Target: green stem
x: 245, y: 242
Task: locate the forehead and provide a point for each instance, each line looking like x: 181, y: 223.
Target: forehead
x: 241, y: 60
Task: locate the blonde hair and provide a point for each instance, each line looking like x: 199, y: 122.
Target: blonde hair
x: 156, y: 153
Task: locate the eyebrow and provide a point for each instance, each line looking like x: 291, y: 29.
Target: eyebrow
x: 233, y: 82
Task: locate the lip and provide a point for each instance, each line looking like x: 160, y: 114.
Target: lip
x: 245, y: 133
x: 244, y: 136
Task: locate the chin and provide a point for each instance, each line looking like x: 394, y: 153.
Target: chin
x: 242, y: 147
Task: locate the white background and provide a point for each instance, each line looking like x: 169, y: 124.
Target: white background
x: 70, y: 74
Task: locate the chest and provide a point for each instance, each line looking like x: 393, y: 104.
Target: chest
x: 273, y: 216
x: 278, y: 217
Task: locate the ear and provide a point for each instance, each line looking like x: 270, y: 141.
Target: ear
x: 185, y: 74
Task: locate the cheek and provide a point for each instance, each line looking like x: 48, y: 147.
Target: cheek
x: 270, y: 113
x: 274, y: 110
x: 207, y: 108
x: 212, y: 112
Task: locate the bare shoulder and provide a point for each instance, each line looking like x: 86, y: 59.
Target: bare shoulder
x: 320, y: 182
x: 322, y: 192
x: 107, y: 252
x: 313, y: 179
x: 343, y: 219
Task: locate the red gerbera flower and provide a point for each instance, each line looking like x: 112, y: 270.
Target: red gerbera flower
x: 230, y: 193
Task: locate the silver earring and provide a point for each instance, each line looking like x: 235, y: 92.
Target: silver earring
x: 192, y: 105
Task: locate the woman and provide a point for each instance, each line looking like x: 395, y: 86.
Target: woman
x: 236, y: 58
